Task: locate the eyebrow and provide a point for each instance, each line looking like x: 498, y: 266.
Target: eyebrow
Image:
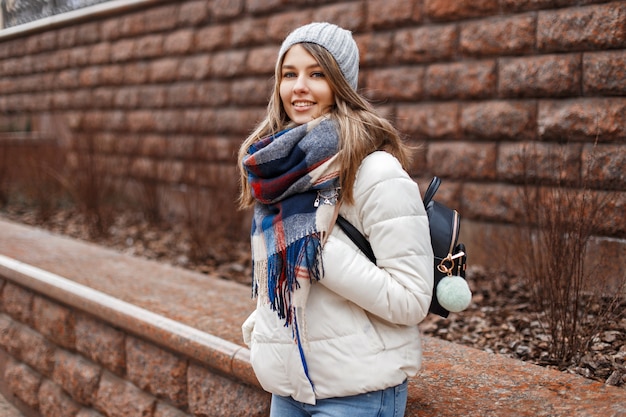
x: 309, y: 67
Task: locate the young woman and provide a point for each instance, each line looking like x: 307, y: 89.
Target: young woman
x: 333, y: 334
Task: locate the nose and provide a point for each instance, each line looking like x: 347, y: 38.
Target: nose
x: 300, y: 85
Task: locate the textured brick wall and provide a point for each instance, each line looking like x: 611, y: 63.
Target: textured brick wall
x: 170, y: 90
x: 60, y: 362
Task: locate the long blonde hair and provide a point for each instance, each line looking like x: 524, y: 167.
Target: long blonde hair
x: 361, y: 130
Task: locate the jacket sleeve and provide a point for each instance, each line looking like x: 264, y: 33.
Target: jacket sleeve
x: 389, y: 211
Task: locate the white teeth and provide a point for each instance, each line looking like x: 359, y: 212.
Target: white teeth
x: 302, y: 103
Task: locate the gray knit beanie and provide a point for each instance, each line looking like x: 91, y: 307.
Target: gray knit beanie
x: 335, y: 40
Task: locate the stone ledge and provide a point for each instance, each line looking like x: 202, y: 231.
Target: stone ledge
x: 200, y: 316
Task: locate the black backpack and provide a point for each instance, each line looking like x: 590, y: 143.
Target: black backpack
x: 445, y: 225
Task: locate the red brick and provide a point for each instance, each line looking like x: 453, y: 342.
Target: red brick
x: 171, y: 171
x: 525, y: 5
x: 612, y: 207
x: 123, y: 50
x: 425, y: 44
x: 77, y: 57
x: 152, y: 96
x: 54, y: 321
x: 169, y: 120
x: 213, y: 395
x: 100, y: 53
x: 193, y: 12
x: 12, y: 66
x: 47, y: 41
x: 8, y: 85
x: 22, y: 382
x: 117, y: 397
x: 547, y: 162
x: 126, y: 97
x: 385, y: 13
x: 150, y: 46
x: 397, y: 83
x: 261, y: 60
x: 461, y: 80
x: 17, y: 302
x: 603, y: 166
x: 180, y: 94
x: 111, y: 30
x: 236, y: 121
x: 582, y: 28
x: 498, y: 120
x: 66, y: 37
x: 458, y: 9
x: 165, y: 410
x: 583, y: 119
x: 247, y: 92
x: 245, y: 32
x: 540, y: 76
x: 161, y: 18
x: 604, y: 73
x: 350, y: 16
x: 67, y: 79
x: 471, y: 160
x: 212, y: 38
x: 103, y: 96
x: 30, y: 45
x: 181, y: 147
x: 157, y: 371
x: 280, y: 25
x: 112, y: 74
x: 229, y: 63
x: 498, y: 36
x: 164, y: 69
x: 143, y: 168
x: 7, y: 330
x: 198, y: 121
x: 78, y: 376
x: 429, y: 121
x: 151, y: 145
x: 131, y: 25
x: 31, y: 348
x: 224, y: 9
x: 257, y: 6
x: 88, y: 33
x: 53, y: 402
x: 194, y: 67
x: 493, y: 202
x: 179, y: 42
x: 61, y: 100
x: 87, y: 412
x: 374, y: 47
x: 216, y: 149
x: 115, y: 120
x: 136, y: 73
x: 418, y: 166
x: 141, y: 121
x: 89, y: 77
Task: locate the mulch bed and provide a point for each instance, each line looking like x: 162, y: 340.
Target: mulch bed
x: 501, y: 318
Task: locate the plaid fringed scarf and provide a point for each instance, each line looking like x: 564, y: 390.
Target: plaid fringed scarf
x: 294, y: 177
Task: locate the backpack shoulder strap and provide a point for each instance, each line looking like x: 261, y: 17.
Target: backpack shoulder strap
x: 355, y: 236
x: 432, y: 189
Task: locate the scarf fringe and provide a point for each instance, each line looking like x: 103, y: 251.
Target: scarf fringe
x: 276, y: 284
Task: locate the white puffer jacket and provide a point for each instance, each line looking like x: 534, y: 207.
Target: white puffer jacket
x: 361, y: 319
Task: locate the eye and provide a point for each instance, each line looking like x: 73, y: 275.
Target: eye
x: 318, y: 74
x: 289, y: 74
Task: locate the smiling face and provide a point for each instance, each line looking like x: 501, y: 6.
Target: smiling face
x: 304, y: 90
